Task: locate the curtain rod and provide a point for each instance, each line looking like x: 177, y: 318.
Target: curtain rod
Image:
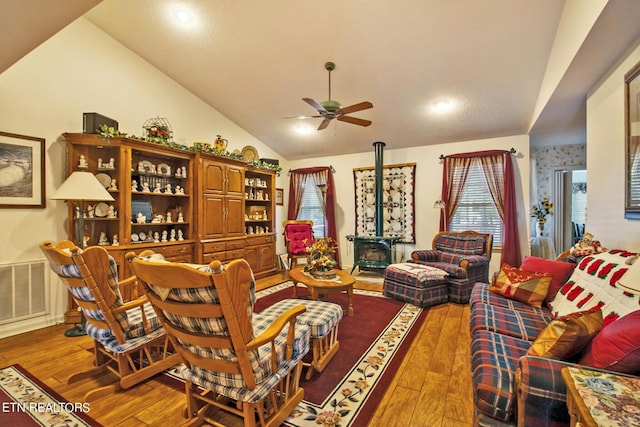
x: 512, y: 151
x: 331, y: 168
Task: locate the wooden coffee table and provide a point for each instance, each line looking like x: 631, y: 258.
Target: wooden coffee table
x: 319, y: 287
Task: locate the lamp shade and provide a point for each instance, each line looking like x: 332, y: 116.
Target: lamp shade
x: 630, y: 280
x: 82, y: 186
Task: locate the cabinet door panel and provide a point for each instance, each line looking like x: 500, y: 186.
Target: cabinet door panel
x: 235, y: 217
x: 251, y: 255
x: 212, y: 216
x: 235, y: 181
x: 213, y: 177
x: 266, y: 257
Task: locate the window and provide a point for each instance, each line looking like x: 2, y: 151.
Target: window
x: 311, y: 208
x: 477, y: 210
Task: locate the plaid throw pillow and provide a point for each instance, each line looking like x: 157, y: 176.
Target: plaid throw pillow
x: 521, y: 285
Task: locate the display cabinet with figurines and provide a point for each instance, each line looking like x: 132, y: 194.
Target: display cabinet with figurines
x: 104, y: 159
x: 259, y: 219
x: 153, y: 191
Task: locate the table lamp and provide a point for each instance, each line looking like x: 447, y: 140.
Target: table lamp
x: 77, y: 189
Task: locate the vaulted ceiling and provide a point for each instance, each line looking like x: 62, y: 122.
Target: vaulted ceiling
x: 254, y: 61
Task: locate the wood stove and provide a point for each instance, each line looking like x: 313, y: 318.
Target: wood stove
x: 375, y: 252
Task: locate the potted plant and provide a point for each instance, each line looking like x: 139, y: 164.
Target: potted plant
x: 320, y: 261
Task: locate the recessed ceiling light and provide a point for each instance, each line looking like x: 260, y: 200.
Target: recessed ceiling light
x: 183, y: 15
x: 304, y: 129
x: 443, y: 106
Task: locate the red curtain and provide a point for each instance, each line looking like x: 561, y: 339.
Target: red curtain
x: 321, y: 175
x: 497, y: 166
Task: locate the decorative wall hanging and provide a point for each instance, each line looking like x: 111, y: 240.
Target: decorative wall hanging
x: 22, y: 182
x: 398, y: 201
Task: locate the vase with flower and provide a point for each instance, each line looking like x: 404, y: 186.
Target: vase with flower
x: 540, y: 212
x: 320, y: 260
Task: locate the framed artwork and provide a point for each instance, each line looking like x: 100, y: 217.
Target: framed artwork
x: 279, y: 197
x: 22, y: 177
x: 398, y: 205
x: 632, y: 143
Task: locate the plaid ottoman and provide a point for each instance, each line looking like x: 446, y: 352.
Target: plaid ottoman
x: 322, y: 319
x: 418, y: 284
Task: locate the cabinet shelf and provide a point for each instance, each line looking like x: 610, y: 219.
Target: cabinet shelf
x: 154, y: 224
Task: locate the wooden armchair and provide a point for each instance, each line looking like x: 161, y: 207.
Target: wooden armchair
x: 298, y: 235
x: 465, y: 255
x: 128, y: 339
x: 247, y: 364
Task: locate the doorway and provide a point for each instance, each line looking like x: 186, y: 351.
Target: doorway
x: 570, y: 201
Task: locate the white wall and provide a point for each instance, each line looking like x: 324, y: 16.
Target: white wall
x: 605, y: 162
x: 81, y: 69
x: 428, y: 187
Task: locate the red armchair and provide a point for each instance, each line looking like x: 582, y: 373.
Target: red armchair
x: 298, y: 235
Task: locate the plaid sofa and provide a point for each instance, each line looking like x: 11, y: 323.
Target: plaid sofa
x: 509, y: 387
x: 465, y: 256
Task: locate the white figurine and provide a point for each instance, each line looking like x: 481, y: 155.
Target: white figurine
x: 103, y: 239
x: 82, y: 163
x: 134, y: 185
x: 111, y: 212
x: 141, y: 219
x: 113, y: 185
x: 167, y: 189
x: 180, y: 235
x: 100, y: 165
x: 115, y: 241
x: 112, y: 163
x: 169, y: 218
x: 140, y: 167
x: 156, y: 237
x: 158, y: 188
x: 178, y: 189
x: 180, y: 217
x: 184, y: 172
x: 164, y: 236
x: 173, y: 235
x: 90, y: 210
x: 145, y: 187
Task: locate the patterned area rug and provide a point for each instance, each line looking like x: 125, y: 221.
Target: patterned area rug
x: 373, y: 343
x: 25, y: 401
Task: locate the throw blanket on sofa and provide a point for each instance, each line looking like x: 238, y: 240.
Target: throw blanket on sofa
x: 594, y: 284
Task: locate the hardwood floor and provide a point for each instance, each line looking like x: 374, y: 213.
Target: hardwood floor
x: 432, y: 386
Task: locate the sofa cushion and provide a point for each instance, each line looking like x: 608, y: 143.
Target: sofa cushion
x: 593, y: 285
x: 525, y: 324
x: 559, y: 271
x: 616, y: 347
x: 566, y: 336
x: 494, y: 359
x: 461, y: 244
x: 521, y: 285
x: 482, y: 294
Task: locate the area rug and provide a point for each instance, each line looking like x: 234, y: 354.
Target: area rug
x: 373, y: 343
x: 26, y: 401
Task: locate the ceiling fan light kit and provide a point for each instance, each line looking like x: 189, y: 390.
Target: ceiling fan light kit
x: 331, y: 109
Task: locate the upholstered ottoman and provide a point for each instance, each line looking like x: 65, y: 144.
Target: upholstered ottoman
x: 322, y: 318
x: 418, y: 284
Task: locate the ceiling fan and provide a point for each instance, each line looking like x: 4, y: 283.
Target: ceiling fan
x: 331, y: 109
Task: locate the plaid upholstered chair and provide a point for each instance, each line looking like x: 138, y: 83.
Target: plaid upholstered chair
x: 465, y: 255
x: 128, y: 338
x: 247, y: 364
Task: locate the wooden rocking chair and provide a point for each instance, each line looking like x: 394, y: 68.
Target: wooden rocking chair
x: 128, y: 338
x: 247, y: 364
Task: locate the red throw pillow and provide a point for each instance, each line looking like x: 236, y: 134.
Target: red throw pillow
x: 616, y: 347
x: 566, y: 336
x: 559, y: 271
x: 520, y: 285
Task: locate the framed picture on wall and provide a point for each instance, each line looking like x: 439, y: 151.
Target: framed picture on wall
x: 279, y: 196
x: 22, y: 181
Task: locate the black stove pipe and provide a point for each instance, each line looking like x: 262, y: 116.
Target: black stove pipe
x: 379, y: 145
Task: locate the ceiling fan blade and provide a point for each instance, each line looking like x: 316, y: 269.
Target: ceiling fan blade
x: 324, y: 124
x: 355, y: 107
x: 303, y: 117
x: 315, y: 105
x: 355, y: 120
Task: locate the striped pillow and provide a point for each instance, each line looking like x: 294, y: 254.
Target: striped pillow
x: 525, y: 286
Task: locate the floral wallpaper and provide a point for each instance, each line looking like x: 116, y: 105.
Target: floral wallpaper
x: 549, y: 159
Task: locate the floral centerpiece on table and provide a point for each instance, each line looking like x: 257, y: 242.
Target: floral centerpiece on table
x: 321, y: 262
x: 541, y: 211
